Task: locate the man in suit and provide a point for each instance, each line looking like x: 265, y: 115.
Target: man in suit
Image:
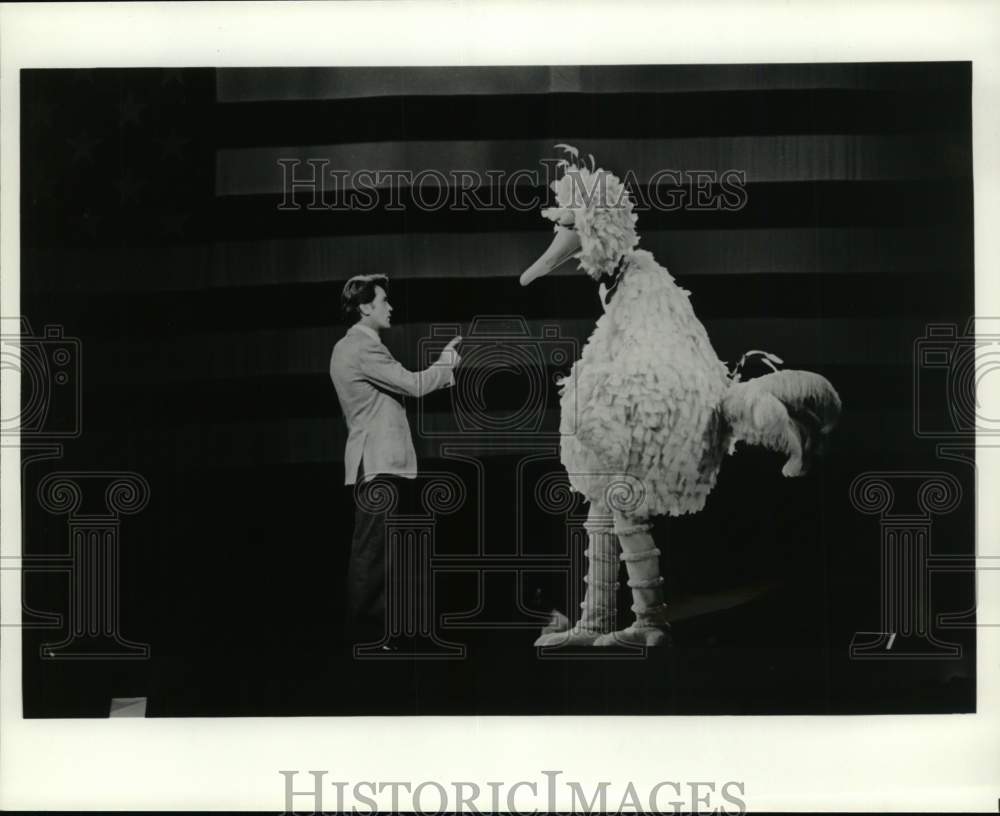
x: 370, y: 385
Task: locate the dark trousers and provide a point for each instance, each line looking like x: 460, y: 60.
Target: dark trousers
x: 366, y: 571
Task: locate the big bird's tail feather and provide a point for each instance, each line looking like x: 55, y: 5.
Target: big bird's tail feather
x: 786, y: 411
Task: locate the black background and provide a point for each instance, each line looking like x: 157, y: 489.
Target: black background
x: 205, y: 318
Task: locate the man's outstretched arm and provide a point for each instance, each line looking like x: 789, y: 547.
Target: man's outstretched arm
x: 379, y: 367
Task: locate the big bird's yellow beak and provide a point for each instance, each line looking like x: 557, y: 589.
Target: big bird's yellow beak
x: 565, y: 244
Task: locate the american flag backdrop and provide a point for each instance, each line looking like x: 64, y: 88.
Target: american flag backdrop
x: 157, y: 228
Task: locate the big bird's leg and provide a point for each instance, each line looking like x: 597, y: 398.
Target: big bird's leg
x: 600, y: 599
x: 642, y: 560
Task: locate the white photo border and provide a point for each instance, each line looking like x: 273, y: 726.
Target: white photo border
x: 836, y: 763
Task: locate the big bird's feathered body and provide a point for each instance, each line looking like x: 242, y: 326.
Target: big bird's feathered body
x: 645, y: 397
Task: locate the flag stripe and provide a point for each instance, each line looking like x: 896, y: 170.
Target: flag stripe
x: 817, y: 204
x: 443, y: 300
x: 297, y: 441
x: 785, y: 158
x: 272, y: 398
x: 257, y: 84
x: 628, y: 114
x: 932, y: 250
x: 187, y: 358
x: 814, y: 205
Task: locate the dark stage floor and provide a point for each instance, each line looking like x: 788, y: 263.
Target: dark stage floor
x: 748, y: 659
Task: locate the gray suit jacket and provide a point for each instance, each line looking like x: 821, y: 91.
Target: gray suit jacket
x: 370, y: 384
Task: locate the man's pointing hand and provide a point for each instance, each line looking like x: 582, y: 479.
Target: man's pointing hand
x: 450, y: 354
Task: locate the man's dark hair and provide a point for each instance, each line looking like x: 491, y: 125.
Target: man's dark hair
x: 360, y: 289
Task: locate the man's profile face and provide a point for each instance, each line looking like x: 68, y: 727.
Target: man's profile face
x: 378, y: 312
